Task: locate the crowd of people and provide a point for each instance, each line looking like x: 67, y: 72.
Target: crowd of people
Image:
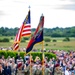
x: 64, y: 64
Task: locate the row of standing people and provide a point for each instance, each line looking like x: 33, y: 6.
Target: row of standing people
x: 63, y: 65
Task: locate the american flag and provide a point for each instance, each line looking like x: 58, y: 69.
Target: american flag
x: 25, y: 30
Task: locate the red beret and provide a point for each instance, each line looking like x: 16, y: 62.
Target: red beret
x: 19, y: 65
x: 47, y: 65
x: 32, y: 61
x: 57, y: 65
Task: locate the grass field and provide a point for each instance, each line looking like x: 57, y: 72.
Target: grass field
x: 47, y: 45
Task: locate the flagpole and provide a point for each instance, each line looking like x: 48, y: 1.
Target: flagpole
x: 43, y: 58
x: 43, y: 55
x: 30, y: 65
x: 30, y: 56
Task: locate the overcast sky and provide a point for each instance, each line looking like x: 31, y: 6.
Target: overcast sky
x: 59, y: 13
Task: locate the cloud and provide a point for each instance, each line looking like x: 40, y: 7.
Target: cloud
x: 69, y: 7
x: 72, y: 0
x: 2, y: 13
x: 18, y: 1
x: 55, y: 11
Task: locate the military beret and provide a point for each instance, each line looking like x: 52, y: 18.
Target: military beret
x: 57, y: 65
x: 19, y: 65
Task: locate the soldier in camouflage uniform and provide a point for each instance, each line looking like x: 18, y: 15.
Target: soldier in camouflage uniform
x: 29, y: 69
x: 58, y: 70
x: 38, y: 70
x: 46, y: 70
x: 19, y: 69
x: 26, y: 70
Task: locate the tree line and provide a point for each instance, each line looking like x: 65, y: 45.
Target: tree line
x: 53, y: 32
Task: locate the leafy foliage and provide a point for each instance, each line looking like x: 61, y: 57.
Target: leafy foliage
x: 34, y: 54
x: 54, y: 32
x: 47, y: 40
x: 67, y: 39
x: 4, y: 40
x: 54, y: 40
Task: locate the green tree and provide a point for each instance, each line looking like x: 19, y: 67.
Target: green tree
x: 47, y: 40
x: 5, y: 40
x: 66, y: 39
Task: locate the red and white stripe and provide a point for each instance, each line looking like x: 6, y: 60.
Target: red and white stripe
x: 25, y: 30
x: 16, y: 46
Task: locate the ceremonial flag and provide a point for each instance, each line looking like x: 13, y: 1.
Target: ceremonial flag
x: 38, y: 35
x: 25, y: 30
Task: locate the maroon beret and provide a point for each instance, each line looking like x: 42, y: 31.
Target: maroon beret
x: 19, y: 65
x: 57, y: 65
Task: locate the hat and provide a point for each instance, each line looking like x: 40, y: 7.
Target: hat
x: 32, y: 61
x: 57, y: 65
x: 19, y: 65
x: 47, y: 65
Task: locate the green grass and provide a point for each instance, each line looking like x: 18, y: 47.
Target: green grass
x: 59, y: 39
x: 61, y: 45
x: 9, y: 37
x: 51, y: 45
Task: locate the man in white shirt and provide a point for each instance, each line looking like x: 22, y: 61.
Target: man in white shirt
x: 67, y: 71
